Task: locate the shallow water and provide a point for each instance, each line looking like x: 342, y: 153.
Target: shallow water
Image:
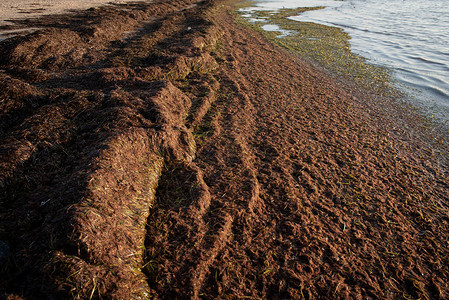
x: 274, y: 27
x: 409, y: 36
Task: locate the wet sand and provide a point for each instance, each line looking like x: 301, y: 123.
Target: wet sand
x: 164, y: 150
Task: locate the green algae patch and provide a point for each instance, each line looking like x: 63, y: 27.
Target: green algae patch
x: 328, y: 46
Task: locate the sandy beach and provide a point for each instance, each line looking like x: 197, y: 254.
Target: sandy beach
x: 12, y: 11
x: 161, y: 150
x: 20, y: 9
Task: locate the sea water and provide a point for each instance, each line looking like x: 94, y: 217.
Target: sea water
x: 411, y: 37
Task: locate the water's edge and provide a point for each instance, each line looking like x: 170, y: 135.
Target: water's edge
x: 421, y: 76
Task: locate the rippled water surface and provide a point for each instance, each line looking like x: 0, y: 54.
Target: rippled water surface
x: 409, y: 36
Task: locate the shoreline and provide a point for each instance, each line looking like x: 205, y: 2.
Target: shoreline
x: 160, y: 149
x: 431, y: 98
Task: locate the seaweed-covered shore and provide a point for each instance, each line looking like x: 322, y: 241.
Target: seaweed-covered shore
x: 160, y: 150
